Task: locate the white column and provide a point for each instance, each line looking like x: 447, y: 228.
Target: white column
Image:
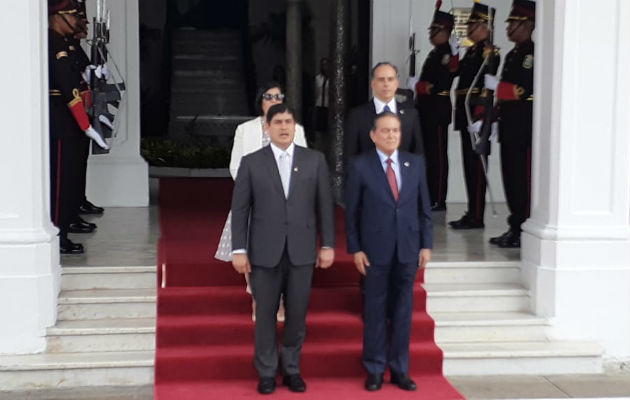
x: 120, y: 178
x: 29, y: 248
x: 576, y: 245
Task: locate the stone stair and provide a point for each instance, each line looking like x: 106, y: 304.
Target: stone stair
x: 208, y: 80
x: 105, y: 335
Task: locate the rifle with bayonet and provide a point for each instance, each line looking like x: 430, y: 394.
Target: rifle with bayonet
x: 481, y: 140
x: 106, y: 97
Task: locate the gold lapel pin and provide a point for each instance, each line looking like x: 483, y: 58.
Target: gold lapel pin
x: 406, y: 164
x: 295, y: 169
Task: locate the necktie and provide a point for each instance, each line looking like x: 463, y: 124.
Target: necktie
x: 285, y: 172
x: 391, y: 178
x: 387, y: 109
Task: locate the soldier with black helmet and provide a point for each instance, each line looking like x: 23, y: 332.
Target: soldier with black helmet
x: 433, y: 100
x: 515, y: 94
x: 479, y: 32
x: 68, y: 120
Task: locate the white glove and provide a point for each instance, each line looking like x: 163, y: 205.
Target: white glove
x: 95, y: 136
x: 490, y: 82
x: 411, y: 82
x: 105, y: 121
x: 102, y: 72
x: 454, y: 43
x: 87, y: 73
x: 475, y: 127
x: 494, y: 130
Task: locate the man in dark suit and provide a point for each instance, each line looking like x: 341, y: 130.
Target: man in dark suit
x: 358, y: 124
x: 281, y: 195
x: 390, y: 233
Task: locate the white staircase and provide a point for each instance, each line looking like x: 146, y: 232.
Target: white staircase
x: 485, y: 327
x: 105, y: 334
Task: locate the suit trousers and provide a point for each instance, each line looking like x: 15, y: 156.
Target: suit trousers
x: 516, y: 160
x: 475, y: 179
x: 268, y: 284
x: 388, y: 294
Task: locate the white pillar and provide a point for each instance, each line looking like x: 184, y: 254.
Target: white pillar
x: 29, y: 248
x: 576, y: 245
x: 120, y: 178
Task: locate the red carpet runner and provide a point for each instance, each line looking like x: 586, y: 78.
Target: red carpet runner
x: 204, y: 328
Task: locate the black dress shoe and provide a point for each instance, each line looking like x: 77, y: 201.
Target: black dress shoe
x: 84, y: 222
x: 403, y: 381
x: 66, y: 246
x: 438, y: 207
x: 466, y: 222
x: 294, y: 382
x: 89, y: 208
x: 511, y: 241
x: 266, y: 385
x: 81, y: 227
x: 374, y: 382
x: 498, y: 239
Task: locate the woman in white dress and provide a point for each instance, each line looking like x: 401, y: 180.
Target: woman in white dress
x: 249, y: 137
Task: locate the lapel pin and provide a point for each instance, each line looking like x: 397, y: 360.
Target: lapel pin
x: 402, y: 112
x: 295, y: 169
x: 406, y: 164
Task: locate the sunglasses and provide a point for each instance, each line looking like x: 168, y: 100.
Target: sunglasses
x: 269, y: 96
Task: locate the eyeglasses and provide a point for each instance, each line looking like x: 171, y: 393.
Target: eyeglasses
x: 269, y: 96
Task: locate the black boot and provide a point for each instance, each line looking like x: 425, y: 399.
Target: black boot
x: 89, y: 208
x: 81, y: 226
x: 511, y: 241
x: 66, y: 246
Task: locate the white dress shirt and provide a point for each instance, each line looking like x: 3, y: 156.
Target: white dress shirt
x: 277, y: 153
x: 395, y: 165
x: 379, y: 105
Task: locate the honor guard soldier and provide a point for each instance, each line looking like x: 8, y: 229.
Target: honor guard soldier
x: 515, y: 93
x: 433, y: 100
x: 68, y: 121
x: 479, y: 33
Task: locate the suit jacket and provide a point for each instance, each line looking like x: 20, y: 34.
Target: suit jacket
x: 359, y: 124
x: 263, y: 220
x: 248, y: 139
x: 375, y: 222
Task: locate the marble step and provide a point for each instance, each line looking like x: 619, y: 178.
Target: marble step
x: 127, y: 334
x: 140, y: 303
x: 472, y: 272
x: 454, y: 327
x: 33, y: 371
x: 522, y: 358
x: 139, y: 334
x: 136, y: 367
x: 106, y: 303
x: 477, y: 297
x: 81, y: 278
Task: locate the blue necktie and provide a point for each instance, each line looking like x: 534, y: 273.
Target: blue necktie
x: 387, y: 109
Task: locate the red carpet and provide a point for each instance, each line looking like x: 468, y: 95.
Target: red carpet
x: 204, y: 328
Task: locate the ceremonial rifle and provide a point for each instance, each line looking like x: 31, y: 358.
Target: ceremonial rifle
x: 106, y: 97
x: 481, y: 141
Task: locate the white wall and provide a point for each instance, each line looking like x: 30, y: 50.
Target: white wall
x: 390, y: 33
